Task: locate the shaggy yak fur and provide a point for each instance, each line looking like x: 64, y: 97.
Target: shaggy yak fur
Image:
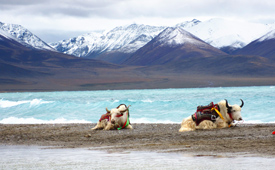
x: 188, y: 124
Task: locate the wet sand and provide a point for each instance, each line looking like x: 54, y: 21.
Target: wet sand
x: 245, y: 139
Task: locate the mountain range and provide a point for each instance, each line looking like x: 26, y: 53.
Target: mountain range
x: 121, y: 42
x: 148, y: 57
x: 112, y: 46
x: 118, y: 44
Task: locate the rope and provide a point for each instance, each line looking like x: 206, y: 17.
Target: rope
x: 220, y: 115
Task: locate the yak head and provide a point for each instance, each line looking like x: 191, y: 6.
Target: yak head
x: 117, y: 113
x: 234, y: 110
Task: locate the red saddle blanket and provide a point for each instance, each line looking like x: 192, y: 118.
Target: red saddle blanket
x: 105, y: 116
x: 205, y: 113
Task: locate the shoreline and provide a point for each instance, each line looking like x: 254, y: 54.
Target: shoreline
x: 125, y: 88
x: 245, y: 139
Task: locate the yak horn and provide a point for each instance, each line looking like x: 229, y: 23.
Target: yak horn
x: 125, y: 109
x: 108, y: 110
x: 242, y: 103
x: 227, y: 104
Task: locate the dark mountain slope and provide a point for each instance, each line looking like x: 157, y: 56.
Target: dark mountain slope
x: 24, y: 69
x: 172, y: 45
x: 264, y: 46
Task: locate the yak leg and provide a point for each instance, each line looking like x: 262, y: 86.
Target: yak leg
x: 206, y: 124
x: 97, y: 126
x: 100, y: 125
x: 187, y: 124
x: 129, y: 127
x: 109, y: 126
x: 222, y: 124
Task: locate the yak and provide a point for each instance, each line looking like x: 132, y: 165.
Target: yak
x: 117, y: 118
x: 220, y: 115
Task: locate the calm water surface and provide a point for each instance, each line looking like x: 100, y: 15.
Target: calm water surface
x: 36, y: 158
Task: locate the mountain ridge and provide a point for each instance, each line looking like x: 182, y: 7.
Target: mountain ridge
x: 114, y: 40
x: 172, y: 45
x: 23, y: 36
x: 225, y: 35
x: 263, y: 46
x: 117, y: 44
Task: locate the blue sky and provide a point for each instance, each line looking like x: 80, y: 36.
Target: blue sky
x: 54, y: 20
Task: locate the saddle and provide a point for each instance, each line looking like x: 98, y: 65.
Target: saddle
x: 105, y: 116
x: 206, y: 113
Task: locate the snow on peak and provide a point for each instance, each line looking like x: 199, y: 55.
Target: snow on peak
x: 129, y: 38
x: 126, y: 39
x: 188, y: 24
x: 23, y: 36
x: 174, y: 36
x: 221, y: 32
x: 270, y: 35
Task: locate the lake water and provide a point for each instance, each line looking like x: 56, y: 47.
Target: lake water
x: 37, y: 158
x: 147, y: 106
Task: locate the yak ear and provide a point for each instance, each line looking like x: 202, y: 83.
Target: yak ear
x: 242, y: 103
x: 108, y: 111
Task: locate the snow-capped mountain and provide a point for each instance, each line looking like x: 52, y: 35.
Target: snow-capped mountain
x: 269, y: 36
x: 264, y: 46
x: 188, y: 24
x: 78, y: 46
x: 23, y: 36
x: 172, y: 45
x: 123, y: 39
x: 222, y: 33
x: 176, y: 36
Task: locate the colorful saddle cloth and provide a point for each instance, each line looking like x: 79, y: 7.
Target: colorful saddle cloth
x: 206, y: 113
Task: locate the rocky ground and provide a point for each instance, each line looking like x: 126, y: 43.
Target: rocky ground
x: 251, y: 139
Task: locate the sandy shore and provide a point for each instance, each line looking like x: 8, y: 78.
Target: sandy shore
x: 250, y: 139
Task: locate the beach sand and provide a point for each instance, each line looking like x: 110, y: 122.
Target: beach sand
x: 245, y: 139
